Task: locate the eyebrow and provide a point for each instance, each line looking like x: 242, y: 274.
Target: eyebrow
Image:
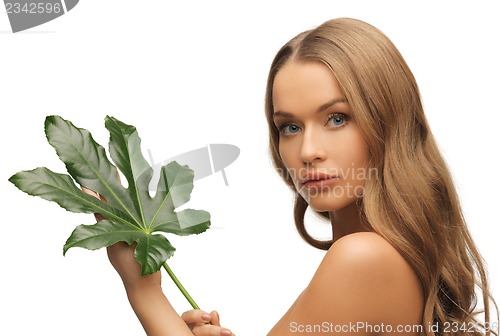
x: 320, y: 109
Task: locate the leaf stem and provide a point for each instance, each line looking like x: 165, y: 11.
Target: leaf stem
x: 180, y: 286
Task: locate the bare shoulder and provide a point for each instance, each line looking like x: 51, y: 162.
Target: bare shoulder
x: 362, y: 279
x: 366, y: 252
x: 368, y: 274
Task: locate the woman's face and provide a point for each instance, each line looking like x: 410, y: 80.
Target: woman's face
x: 319, y: 143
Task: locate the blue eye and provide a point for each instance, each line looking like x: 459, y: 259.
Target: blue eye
x: 289, y: 129
x: 337, y: 120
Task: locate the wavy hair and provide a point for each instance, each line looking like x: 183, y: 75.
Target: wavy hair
x: 413, y: 203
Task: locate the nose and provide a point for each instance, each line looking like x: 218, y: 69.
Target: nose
x: 312, y: 149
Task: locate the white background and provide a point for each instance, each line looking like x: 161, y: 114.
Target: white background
x: 191, y: 74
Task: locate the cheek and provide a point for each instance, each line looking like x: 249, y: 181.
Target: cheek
x: 360, y: 157
x: 286, y: 154
x: 355, y: 160
x: 289, y: 159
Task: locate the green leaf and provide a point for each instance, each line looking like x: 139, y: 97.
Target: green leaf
x: 132, y: 214
x: 102, y: 234
x: 61, y: 189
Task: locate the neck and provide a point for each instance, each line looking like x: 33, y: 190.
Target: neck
x: 347, y: 220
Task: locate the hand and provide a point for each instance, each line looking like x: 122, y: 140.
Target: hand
x: 197, y: 320
x: 121, y: 256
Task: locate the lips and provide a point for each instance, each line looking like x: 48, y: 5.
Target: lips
x: 319, y: 180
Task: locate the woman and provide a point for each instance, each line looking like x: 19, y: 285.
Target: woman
x: 349, y: 136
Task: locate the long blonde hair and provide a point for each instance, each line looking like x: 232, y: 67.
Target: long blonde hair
x: 413, y: 203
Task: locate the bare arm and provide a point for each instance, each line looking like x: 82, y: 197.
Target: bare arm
x: 145, y: 295
x: 150, y: 304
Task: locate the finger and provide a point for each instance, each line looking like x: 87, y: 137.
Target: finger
x: 93, y: 193
x: 196, y: 316
x: 97, y: 216
x: 215, y: 320
x: 210, y: 330
x: 90, y: 192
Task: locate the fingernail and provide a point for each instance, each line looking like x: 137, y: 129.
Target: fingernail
x: 206, y: 317
x: 225, y: 332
